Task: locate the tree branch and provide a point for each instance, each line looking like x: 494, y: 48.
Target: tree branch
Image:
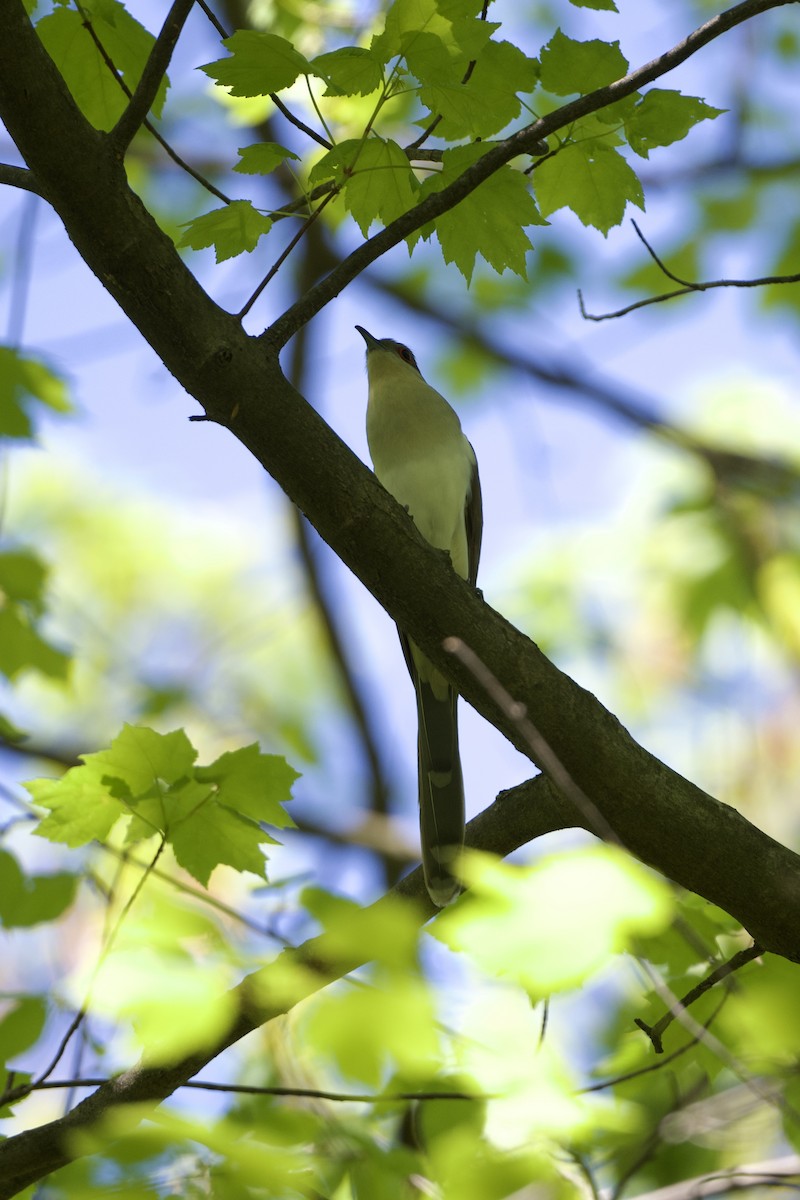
x: 20, y: 177
x: 524, y: 141
x: 684, y: 290
x: 150, y: 81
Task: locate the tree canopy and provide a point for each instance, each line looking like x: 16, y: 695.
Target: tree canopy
x: 611, y: 1011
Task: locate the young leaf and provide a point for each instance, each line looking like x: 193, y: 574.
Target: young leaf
x: 231, y: 230
x: 349, y: 71
x: 593, y: 180
x: 259, y: 63
x: 662, y: 117
x: 24, y: 379
x: 568, y: 67
x: 490, y: 221
x: 262, y: 158
x: 88, y: 76
x: 600, y: 5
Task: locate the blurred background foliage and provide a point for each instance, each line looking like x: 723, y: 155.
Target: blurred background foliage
x: 641, y: 478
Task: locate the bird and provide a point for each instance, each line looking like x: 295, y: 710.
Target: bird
x: 421, y: 456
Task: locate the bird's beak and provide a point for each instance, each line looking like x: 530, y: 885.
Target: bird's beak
x: 372, y: 342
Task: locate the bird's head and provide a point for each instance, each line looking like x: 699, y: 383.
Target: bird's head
x: 388, y: 346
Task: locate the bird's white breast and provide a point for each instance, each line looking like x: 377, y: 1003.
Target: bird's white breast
x: 419, y: 453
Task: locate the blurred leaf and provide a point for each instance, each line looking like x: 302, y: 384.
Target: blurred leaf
x: 21, y: 1024
x: 22, y: 648
x: 386, y: 1025
x: 23, y: 379
x: 31, y: 899
x: 388, y: 934
x: 551, y: 926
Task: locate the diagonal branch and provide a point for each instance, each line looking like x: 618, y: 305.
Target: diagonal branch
x: 524, y: 141
x: 155, y: 68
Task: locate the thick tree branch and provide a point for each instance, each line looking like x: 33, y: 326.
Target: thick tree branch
x: 524, y: 141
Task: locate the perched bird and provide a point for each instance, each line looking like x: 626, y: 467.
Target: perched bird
x: 423, y: 459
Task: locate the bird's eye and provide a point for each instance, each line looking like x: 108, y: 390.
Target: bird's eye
x: 406, y: 354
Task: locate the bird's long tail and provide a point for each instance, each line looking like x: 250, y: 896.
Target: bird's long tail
x: 441, y: 791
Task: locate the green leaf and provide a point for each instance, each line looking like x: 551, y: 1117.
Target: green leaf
x: 381, y: 185
x: 24, y: 379
x: 151, y: 777
x: 593, y: 180
x: 88, y: 76
x: 432, y: 37
x: 600, y: 5
x: 588, y: 904
x: 259, y: 64
x: 568, y: 67
x: 21, y: 1025
x: 253, y: 784
x: 139, y: 757
x: 22, y: 648
x: 662, y: 117
x: 31, y: 899
x: 490, y: 221
x: 388, y: 934
x: 22, y: 578
x: 349, y: 71
x: 262, y: 158
x: 231, y: 230
x: 488, y: 101
x: 378, y: 1028
x: 204, y: 833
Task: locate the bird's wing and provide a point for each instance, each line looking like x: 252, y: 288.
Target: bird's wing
x: 473, y: 519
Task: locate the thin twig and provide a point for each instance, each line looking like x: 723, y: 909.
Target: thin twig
x: 684, y: 290
x: 254, y: 1090
x: 154, y: 71
x: 662, y: 1062
x: 281, y: 259
x: 541, y: 750
x: 739, y: 960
